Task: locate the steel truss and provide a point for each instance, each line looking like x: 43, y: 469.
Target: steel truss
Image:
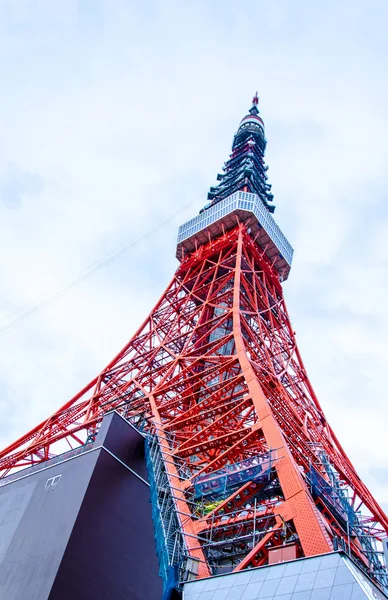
x: 215, y: 373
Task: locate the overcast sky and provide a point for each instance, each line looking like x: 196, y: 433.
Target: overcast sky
x: 118, y: 114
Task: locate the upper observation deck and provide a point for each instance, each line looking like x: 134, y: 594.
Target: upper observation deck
x: 226, y: 214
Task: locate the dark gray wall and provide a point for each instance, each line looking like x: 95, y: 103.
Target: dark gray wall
x: 111, y: 552
x: 88, y: 534
x: 36, y: 520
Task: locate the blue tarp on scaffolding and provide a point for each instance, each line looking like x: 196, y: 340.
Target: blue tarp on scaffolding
x: 166, y: 571
x: 221, y: 481
x: 334, y: 497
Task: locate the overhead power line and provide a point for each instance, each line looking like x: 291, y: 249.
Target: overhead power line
x: 92, y: 270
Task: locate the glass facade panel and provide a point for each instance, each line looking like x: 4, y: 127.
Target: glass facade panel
x: 328, y: 577
x: 321, y: 594
x: 287, y: 585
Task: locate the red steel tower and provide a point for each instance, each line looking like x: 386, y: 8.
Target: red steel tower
x: 245, y: 470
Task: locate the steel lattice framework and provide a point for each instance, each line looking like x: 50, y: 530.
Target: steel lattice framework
x: 215, y: 375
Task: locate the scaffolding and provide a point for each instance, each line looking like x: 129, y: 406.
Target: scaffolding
x: 170, y: 546
x: 326, y: 484
x: 220, y: 483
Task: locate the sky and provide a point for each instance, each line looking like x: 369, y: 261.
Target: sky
x: 115, y: 118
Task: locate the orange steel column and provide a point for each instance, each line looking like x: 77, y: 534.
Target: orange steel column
x: 182, y: 510
x: 299, y: 505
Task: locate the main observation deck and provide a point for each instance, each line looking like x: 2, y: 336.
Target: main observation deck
x: 226, y: 214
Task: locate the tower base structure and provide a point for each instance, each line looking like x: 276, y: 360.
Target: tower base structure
x: 244, y: 469
x: 79, y: 526
x: 332, y: 576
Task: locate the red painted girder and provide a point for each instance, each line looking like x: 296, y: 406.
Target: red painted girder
x: 213, y: 428
x: 227, y: 520
x: 198, y: 413
x: 251, y: 558
x: 219, y: 442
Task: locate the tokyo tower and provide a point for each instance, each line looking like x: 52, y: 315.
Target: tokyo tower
x: 244, y: 468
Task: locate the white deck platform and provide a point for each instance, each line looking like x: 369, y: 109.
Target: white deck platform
x: 223, y: 216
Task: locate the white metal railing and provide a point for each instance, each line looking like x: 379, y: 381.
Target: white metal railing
x: 239, y: 201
